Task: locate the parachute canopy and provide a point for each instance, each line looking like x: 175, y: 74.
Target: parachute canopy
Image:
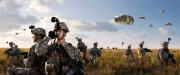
x: 31, y: 27
x: 124, y: 19
x: 17, y: 33
x: 150, y: 25
x: 24, y: 29
x: 162, y: 11
x: 142, y: 18
x: 168, y: 24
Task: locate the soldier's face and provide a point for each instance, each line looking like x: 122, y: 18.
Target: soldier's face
x: 60, y: 34
x: 34, y: 38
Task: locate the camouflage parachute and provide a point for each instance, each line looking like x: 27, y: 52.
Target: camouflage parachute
x: 124, y: 19
x: 142, y: 18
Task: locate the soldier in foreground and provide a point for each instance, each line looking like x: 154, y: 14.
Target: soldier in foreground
x: 95, y: 52
x: 63, y: 58
x: 83, y: 48
x: 34, y: 64
x: 164, y: 56
x: 129, y: 54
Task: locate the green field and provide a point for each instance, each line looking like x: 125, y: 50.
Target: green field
x: 112, y: 62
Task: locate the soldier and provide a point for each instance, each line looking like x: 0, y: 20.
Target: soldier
x: 64, y: 59
x: 83, y: 48
x: 141, y: 51
x: 108, y: 47
x: 164, y: 56
x: 95, y: 52
x: 129, y: 54
x: 34, y: 64
x: 12, y: 53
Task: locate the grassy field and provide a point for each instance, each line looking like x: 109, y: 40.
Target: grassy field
x: 112, y: 62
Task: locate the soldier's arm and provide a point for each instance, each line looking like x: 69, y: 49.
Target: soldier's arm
x: 42, y: 48
x: 30, y: 58
x: 6, y: 52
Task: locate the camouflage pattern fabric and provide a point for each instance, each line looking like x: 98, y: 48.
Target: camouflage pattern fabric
x: 35, y: 62
x: 57, y: 63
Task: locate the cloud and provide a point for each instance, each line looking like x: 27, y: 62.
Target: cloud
x: 40, y: 7
x: 15, y: 13
x: 167, y: 32
x: 163, y: 31
x: 10, y: 17
x: 97, y: 26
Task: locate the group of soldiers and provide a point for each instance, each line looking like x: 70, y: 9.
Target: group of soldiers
x: 52, y: 55
x: 164, y: 57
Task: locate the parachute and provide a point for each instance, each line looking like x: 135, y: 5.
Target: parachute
x: 124, y: 19
x: 168, y: 24
x: 24, y: 29
x: 31, y: 27
x: 16, y: 33
x: 162, y: 11
x: 150, y: 25
x: 142, y: 18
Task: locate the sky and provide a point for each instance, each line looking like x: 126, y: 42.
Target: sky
x: 93, y: 21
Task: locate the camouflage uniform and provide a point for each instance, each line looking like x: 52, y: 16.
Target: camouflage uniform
x: 12, y: 54
x: 58, y: 59
x: 35, y: 62
x: 164, y: 56
x: 13, y: 51
x: 95, y: 52
x: 141, y: 51
x: 129, y: 54
x: 58, y: 63
x: 83, y: 48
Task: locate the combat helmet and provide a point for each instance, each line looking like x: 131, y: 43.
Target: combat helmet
x: 39, y: 31
x: 61, y: 26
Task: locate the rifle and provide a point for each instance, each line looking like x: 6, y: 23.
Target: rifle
x: 171, y: 56
x: 147, y: 50
x: 75, y: 64
x: 24, y: 54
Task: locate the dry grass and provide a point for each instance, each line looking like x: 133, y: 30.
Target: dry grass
x: 112, y: 62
